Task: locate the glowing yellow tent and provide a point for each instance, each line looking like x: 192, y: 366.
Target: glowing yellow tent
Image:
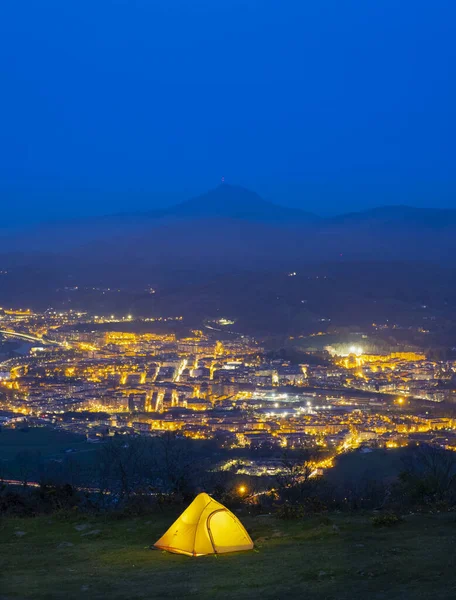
x: 205, y: 527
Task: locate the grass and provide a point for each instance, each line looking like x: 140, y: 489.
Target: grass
x: 338, y: 557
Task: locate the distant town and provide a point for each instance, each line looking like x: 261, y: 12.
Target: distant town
x: 102, y: 376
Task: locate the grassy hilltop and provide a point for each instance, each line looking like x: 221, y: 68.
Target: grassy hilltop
x: 335, y: 557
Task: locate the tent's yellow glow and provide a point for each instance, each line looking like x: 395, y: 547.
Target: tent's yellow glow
x: 205, y: 527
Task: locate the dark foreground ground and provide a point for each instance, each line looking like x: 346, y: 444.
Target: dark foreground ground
x: 326, y: 558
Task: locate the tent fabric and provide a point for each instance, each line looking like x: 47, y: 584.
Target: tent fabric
x: 205, y: 527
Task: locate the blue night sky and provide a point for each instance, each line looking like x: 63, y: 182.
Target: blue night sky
x: 330, y: 105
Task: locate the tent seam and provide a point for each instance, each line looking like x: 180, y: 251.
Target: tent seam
x: 197, y: 525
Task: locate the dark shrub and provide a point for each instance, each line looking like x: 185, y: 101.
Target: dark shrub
x: 290, y: 511
x: 387, y: 519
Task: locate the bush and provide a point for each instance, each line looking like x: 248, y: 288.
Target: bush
x: 50, y: 498
x: 386, y: 520
x: 15, y: 504
x: 429, y: 479
x: 290, y: 511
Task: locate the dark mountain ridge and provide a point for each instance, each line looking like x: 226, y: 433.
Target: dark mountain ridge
x: 225, y: 201
x: 228, y: 201
x: 231, y: 225
x: 400, y: 214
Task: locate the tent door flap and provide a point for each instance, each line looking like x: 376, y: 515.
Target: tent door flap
x: 208, y: 524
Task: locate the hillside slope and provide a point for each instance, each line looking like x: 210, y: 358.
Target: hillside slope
x: 335, y: 556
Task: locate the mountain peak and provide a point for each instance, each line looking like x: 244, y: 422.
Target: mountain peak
x: 233, y: 201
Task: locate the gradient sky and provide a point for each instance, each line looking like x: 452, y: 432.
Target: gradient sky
x: 330, y: 105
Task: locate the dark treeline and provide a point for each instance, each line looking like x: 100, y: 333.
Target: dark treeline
x: 138, y: 474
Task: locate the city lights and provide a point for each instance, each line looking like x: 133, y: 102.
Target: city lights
x: 200, y: 387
